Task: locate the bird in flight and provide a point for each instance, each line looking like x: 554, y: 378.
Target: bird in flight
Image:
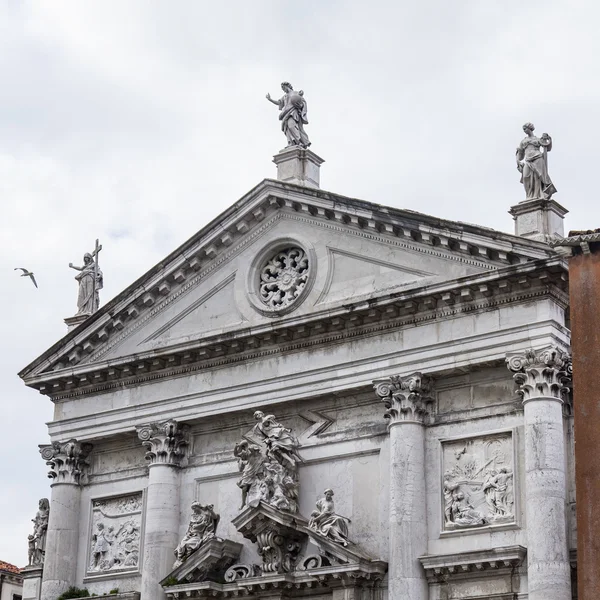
x: 27, y: 273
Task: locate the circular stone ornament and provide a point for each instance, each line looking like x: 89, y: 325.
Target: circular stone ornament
x: 283, y: 278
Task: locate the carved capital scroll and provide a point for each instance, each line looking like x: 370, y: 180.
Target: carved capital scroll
x: 67, y: 461
x: 407, y: 398
x: 541, y: 373
x: 166, y: 442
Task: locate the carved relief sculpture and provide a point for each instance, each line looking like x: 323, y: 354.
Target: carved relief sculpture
x: 202, y: 527
x: 478, y: 486
x: 325, y: 521
x: 283, y: 278
x: 115, y: 536
x: 37, y: 540
x: 292, y: 107
x: 269, y: 475
x: 532, y: 163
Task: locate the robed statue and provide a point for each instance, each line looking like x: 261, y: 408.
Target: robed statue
x: 327, y: 522
x: 202, y: 527
x: 37, y: 540
x: 90, y: 281
x: 292, y: 107
x: 532, y: 163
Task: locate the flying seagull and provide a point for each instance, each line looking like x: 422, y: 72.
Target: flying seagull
x: 27, y: 273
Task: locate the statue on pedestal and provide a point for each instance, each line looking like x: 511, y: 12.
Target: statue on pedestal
x: 325, y: 521
x: 532, y: 163
x: 202, y: 527
x: 90, y: 281
x: 37, y: 540
x: 292, y: 106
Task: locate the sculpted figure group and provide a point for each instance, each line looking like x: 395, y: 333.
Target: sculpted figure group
x: 37, y: 540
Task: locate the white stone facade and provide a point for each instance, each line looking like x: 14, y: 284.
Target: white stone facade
x: 331, y: 314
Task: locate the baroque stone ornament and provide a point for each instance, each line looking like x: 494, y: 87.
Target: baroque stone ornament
x: 269, y: 475
x: 166, y: 442
x: 115, y: 534
x: 67, y: 461
x: 541, y: 373
x: 532, y: 163
x: 202, y: 527
x: 284, y: 277
x: 478, y: 481
x: 37, y: 540
x: 91, y: 281
x: 406, y: 398
x: 292, y: 107
x: 325, y: 521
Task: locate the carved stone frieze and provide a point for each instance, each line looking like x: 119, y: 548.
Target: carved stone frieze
x: 166, y: 442
x: 67, y: 461
x: 115, y: 534
x: 407, y: 398
x: 541, y: 373
x: 478, y: 481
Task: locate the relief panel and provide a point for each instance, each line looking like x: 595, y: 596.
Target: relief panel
x: 115, y: 534
x: 478, y: 487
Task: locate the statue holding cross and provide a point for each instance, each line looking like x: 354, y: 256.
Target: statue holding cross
x: 90, y: 281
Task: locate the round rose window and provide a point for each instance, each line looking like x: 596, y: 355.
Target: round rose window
x: 283, y: 278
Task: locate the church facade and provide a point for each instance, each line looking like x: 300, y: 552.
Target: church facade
x: 319, y: 397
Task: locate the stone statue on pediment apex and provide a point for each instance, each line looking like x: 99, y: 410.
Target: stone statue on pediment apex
x: 292, y: 107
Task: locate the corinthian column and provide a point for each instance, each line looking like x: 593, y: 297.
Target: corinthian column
x: 68, y: 468
x: 166, y: 444
x: 409, y: 404
x: 543, y: 376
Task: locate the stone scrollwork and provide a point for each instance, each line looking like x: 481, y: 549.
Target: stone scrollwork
x: 406, y: 398
x: 237, y: 572
x: 202, y: 527
x: 269, y: 475
x: 478, y: 481
x: 279, y: 552
x: 284, y: 277
x: 67, y: 461
x: 541, y: 373
x: 166, y: 442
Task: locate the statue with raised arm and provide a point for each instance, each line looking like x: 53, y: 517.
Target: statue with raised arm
x: 281, y: 444
x: 532, y: 163
x: 90, y: 281
x: 292, y: 107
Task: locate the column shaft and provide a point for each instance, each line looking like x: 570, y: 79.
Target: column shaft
x: 161, y: 529
x: 62, y: 540
x: 548, y: 569
x: 408, y: 512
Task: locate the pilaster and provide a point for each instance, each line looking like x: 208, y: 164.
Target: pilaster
x: 409, y: 405
x: 543, y: 378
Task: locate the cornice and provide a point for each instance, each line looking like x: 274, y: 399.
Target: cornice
x: 440, y: 301
x: 241, y: 224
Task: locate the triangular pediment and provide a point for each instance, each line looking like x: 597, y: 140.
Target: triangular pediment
x: 211, y: 288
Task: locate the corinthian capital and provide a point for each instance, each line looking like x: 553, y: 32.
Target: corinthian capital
x: 166, y: 442
x: 406, y: 398
x: 67, y: 461
x: 541, y: 373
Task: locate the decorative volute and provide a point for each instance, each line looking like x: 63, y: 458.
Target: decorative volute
x: 166, y: 442
x: 67, y: 461
x: 407, y: 398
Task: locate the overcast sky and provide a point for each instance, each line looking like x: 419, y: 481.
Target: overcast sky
x: 139, y: 121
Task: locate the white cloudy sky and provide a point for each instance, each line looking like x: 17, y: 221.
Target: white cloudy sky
x: 137, y: 121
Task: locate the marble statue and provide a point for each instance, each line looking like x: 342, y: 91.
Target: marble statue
x: 269, y: 475
x: 325, y: 521
x: 202, y: 527
x: 532, y: 163
x: 90, y: 281
x: 292, y: 107
x: 37, y: 540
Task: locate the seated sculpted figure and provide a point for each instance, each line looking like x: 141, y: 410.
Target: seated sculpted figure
x: 202, y: 527
x: 325, y: 521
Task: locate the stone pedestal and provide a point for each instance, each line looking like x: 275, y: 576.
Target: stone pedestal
x: 166, y: 443
x: 540, y: 220
x: 76, y: 321
x: 32, y: 582
x: 409, y: 404
x: 298, y: 165
x: 541, y: 376
x: 68, y: 467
